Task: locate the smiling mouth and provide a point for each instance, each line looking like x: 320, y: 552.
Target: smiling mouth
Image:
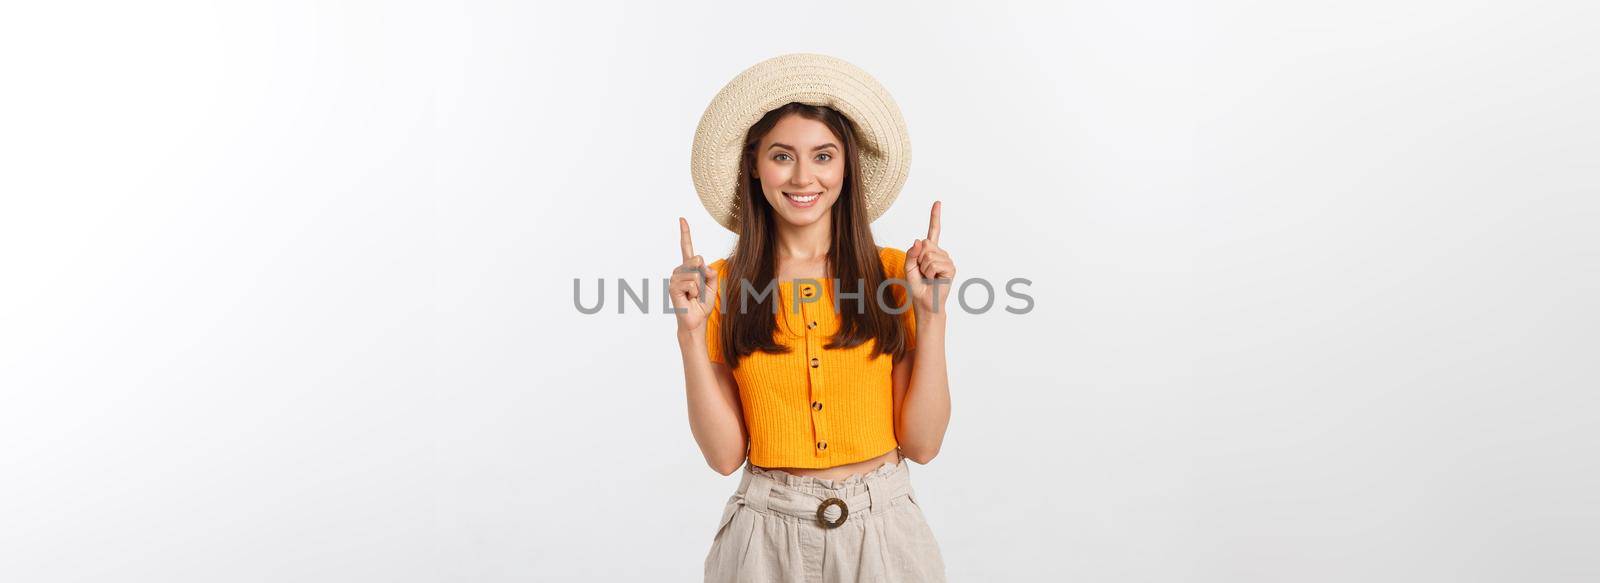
x: 803, y: 198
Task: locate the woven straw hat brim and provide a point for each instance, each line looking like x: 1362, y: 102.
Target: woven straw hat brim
x: 813, y: 79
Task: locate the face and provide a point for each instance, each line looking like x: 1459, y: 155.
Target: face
x: 801, y: 167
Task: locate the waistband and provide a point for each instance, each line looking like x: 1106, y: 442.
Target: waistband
x: 766, y: 490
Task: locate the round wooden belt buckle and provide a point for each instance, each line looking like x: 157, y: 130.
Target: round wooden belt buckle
x: 844, y: 512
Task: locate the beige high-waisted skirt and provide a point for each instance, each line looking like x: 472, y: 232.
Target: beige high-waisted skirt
x: 778, y: 527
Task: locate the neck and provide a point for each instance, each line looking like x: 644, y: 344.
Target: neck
x: 805, y: 242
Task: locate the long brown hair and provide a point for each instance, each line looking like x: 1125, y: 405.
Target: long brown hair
x: 852, y: 256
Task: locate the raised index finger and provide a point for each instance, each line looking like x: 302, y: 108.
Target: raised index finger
x: 933, y: 224
x: 683, y: 239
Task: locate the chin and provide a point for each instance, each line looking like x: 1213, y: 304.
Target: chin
x: 792, y: 221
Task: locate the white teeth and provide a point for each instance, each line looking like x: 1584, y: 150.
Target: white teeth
x: 803, y: 199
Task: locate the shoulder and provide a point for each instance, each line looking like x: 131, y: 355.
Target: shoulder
x: 894, y: 261
x: 721, y: 269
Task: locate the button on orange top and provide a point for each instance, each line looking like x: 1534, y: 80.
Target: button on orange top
x: 782, y: 393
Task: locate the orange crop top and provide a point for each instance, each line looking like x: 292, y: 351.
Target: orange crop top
x: 815, y: 407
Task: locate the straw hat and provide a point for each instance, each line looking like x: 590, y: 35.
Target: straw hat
x: 885, y: 147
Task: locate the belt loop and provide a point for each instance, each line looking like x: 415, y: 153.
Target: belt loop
x: 744, y: 484
x: 755, y: 498
x: 877, y: 495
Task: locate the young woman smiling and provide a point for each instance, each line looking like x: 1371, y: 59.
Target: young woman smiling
x: 813, y: 357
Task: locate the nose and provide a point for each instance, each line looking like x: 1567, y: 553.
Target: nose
x: 802, y: 173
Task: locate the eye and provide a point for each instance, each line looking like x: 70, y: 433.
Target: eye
x: 781, y: 157
x: 824, y: 157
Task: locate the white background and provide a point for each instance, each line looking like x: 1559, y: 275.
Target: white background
x: 286, y: 289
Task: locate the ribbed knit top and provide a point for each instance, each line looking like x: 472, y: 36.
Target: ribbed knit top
x: 815, y: 407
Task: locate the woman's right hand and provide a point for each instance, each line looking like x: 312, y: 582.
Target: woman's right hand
x: 692, y: 302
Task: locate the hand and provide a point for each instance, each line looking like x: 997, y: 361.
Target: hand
x: 925, y: 261
x: 693, y: 286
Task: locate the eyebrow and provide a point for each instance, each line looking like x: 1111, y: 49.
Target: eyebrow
x: 789, y: 147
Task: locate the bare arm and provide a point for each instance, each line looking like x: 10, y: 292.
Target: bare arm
x: 922, y: 393
x: 715, y: 414
x: 921, y: 384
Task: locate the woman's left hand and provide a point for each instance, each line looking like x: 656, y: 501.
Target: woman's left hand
x: 925, y: 261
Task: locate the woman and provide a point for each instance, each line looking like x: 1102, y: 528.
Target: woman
x: 812, y: 369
